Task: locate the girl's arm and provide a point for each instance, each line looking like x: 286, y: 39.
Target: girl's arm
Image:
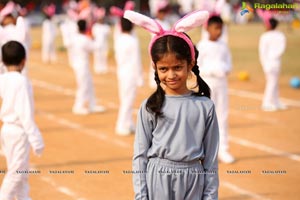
x: 210, y: 162
x: 142, y: 142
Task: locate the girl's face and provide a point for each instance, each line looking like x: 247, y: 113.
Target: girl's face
x: 173, y: 73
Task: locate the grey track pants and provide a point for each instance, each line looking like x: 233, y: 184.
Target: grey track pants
x: 169, y: 180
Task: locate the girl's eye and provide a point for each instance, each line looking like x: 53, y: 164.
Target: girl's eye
x: 177, y: 68
x: 163, y: 69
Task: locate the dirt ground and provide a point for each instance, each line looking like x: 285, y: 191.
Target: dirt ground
x: 85, y: 160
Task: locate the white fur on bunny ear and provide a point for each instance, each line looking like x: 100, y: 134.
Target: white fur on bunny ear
x: 21, y: 29
x: 190, y: 21
x: 219, y: 6
x: 143, y: 21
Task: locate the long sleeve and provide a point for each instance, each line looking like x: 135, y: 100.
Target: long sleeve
x: 24, y: 109
x: 214, y: 59
x: 143, y: 141
x: 262, y: 50
x: 210, y: 162
x: 228, y: 60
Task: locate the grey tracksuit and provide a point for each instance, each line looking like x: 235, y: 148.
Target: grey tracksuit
x: 175, y: 156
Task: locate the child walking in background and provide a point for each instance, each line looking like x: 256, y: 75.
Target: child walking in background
x: 48, y: 35
x: 100, y: 32
x: 215, y: 64
x: 82, y: 46
x: 130, y: 76
x: 176, y: 142
x: 271, y: 48
x: 19, y: 130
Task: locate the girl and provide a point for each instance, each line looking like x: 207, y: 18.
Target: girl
x: 176, y: 142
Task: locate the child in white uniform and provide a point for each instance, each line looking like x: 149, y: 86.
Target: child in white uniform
x: 215, y: 64
x: 100, y: 32
x: 271, y: 48
x: 82, y: 46
x: 19, y: 130
x: 176, y: 142
x: 129, y: 72
x: 48, y: 36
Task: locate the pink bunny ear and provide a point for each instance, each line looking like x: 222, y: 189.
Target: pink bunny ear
x: 143, y: 21
x: 50, y: 10
x: 99, y: 13
x: 85, y: 13
x: 22, y: 11
x: 190, y: 21
x: 195, y: 19
x: 73, y: 15
x: 8, y: 9
x: 219, y: 6
x: 129, y: 5
x: 116, y: 11
x: 21, y: 29
x: 265, y: 16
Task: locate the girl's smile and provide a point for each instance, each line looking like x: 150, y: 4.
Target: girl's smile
x: 173, y: 73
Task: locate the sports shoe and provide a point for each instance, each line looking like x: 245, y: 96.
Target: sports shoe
x: 123, y: 132
x: 226, y: 157
x: 80, y: 111
x: 270, y: 108
x: 282, y: 106
x: 97, y: 109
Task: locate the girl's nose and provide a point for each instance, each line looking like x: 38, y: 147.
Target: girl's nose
x: 172, y: 74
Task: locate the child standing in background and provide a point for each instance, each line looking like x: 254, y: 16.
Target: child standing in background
x: 48, y: 35
x: 100, y: 32
x: 271, y: 48
x: 215, y: 64
x: 82, y: 46
x: 19, y: 130
x: 129, y: 73
x: 176, y: 142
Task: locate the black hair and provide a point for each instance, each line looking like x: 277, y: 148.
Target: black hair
x: 126, y: 25
x: 181, y: 49
x: 214, y: 20
x: 13, y: 53
x: 81, y: 25
x: 273, y: 23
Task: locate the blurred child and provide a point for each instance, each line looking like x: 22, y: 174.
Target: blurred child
x: 82, y: 46
x: 177, y: 137
x: 271, y: 48
x: 48, y: 35
x: 19, y: 130
x: 129, y: 73
x: 12, y: 28
x: 215, y: 64
x: 100, y: 32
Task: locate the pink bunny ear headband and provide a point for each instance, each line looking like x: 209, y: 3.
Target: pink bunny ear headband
x: 129, y: 5
x: 188, y: 22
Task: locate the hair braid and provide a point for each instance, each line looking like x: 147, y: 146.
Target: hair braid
x: 156, y: 100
